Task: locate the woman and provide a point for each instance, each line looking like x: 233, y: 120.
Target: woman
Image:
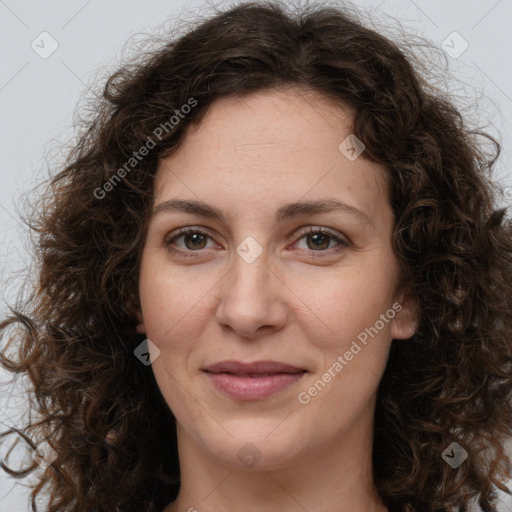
x: 272, y: 276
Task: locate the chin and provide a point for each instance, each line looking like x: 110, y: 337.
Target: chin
x: 257, y: 445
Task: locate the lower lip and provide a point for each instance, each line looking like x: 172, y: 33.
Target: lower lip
x: 252, y: 388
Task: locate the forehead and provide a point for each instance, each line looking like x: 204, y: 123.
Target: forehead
x: 270, y: 147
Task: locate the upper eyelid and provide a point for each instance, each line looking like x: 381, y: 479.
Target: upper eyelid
x: 300, y: 234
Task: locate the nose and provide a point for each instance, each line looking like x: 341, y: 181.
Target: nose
x: 252, y: 299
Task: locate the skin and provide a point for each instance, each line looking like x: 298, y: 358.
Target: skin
x: 295, y: 303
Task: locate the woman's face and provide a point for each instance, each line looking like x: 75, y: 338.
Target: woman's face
x: 258, y: 179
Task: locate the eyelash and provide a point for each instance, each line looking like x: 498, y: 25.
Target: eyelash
x: 343, y: 244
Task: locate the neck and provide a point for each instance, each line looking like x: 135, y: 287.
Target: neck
x: 330, y: 478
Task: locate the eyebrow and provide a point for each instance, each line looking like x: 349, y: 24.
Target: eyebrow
x: 285, y: 212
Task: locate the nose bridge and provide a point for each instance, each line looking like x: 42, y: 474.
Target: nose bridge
x: 249, y: 295
x: 249, y: 276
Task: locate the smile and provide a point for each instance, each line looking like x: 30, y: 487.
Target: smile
x: 252, y: 381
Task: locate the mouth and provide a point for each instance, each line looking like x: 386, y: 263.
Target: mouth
x: 252, y: 381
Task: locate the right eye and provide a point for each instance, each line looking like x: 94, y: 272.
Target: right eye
x: 193, y: 240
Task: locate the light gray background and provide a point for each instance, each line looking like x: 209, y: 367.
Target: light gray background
x: 38, y: 97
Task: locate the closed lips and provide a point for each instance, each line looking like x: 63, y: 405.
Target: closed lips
x: 255, y: 369
x: 252, y: 381
x: 257, y: 374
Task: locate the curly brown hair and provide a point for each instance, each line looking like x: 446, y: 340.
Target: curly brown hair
x: 101, y: 409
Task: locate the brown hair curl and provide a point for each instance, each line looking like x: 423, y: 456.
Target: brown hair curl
x: 102, y: 410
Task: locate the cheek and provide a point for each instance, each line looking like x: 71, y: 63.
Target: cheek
x: 171, y: 307
x: 171, y: 302
x: 344, y: 304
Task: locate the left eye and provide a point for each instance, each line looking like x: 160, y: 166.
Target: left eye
x: 317, y: 240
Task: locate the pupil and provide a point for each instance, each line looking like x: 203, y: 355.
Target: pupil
x: 196, y: 239
x: 317, y: 240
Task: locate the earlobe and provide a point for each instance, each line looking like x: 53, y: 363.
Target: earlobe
x: 405, y: 323
x: 141, y: 328
x: 134, y: 310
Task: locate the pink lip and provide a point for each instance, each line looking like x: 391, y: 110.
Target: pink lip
x: 252, y: 381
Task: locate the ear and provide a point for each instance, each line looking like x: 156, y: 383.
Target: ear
x: 141, y: 328
x: 405, y: 323
x: 134, y: 310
